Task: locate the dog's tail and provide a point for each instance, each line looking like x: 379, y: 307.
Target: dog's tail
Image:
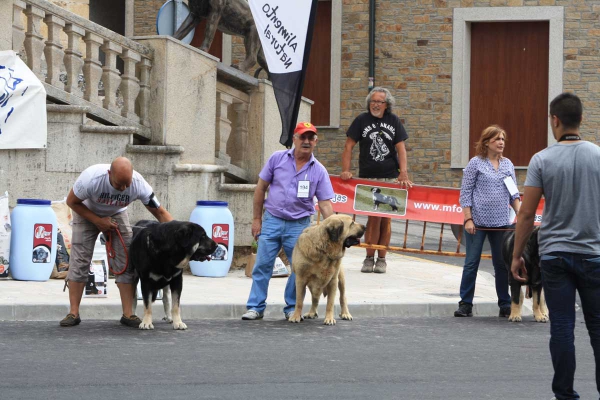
x: 325, y: 292
x: 186, y: 27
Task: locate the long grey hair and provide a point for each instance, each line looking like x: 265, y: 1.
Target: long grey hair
x: 389, y: 99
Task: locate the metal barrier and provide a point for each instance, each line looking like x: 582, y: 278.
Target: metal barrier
x: 457, y: 231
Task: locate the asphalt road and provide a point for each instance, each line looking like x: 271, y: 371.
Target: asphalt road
x: 370, y: 358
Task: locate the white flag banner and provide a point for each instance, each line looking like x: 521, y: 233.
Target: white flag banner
x: 22, y: 105
x: 285, y: 29
x: 282, y: 26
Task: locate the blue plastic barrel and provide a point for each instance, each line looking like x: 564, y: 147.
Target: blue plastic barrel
x: 33, y: 240
x: 217, y: 221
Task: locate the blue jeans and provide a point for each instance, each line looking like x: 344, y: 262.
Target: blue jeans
x: 562, y: 274
x: 274, y: 234
x: 474, y: 245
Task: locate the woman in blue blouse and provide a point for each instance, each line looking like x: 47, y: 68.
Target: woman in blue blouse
x: 485, y: 200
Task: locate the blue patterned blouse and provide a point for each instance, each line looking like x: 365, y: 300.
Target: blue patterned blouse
x: 483, y: 190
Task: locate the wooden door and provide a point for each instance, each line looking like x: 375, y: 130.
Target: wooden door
x: 317, y: 83
x: 509, y: 85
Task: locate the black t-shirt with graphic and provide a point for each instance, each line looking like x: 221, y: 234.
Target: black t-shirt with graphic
x: 377, y: 138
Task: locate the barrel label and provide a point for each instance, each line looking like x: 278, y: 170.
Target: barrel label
x: 220, y: 234
x: 42, y: 243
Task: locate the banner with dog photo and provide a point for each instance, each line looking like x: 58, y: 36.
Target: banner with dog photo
x: 419, y: 203
x: 285, y: 28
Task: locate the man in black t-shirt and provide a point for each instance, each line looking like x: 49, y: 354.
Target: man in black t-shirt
x: 381, y: 137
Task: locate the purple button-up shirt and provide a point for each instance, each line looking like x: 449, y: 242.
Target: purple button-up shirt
x: 483, y: 190
x: 282, y: 200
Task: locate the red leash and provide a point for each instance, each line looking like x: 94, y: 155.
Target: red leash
x: 110, y: 252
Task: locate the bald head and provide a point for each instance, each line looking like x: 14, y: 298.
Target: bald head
x: 121, y: 173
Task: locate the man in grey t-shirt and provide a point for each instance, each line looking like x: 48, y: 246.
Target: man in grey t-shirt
x: 567, y: 174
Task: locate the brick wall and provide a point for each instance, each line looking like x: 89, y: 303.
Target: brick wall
x: 144, y: 14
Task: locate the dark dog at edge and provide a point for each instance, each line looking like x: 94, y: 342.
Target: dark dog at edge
x: 533, y: 285
x: 158, y: 253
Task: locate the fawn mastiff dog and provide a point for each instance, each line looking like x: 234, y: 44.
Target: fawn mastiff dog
x: 317, y: 262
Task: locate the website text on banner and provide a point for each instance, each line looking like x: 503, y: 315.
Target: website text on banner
x: 419, y: 203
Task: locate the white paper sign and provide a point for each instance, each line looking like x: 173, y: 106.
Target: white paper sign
x: 510, y: 185
x: 22, y: 105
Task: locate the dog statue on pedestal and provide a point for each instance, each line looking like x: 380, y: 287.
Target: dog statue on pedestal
x: 232, y: 17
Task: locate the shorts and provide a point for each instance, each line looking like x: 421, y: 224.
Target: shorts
x: 83, y: 241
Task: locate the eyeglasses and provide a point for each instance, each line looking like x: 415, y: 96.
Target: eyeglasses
x: 302, y: 138
x: 378, y: 102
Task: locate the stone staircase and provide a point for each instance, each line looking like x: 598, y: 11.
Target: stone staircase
x: 193, y: 127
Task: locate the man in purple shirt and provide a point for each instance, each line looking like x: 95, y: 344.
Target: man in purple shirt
x: 294, y: 177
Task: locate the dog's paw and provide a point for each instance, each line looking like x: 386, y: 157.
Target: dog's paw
x: 146, y: 325
x: 541, y: 318
x: 309, y: 315
x: 168, y: 320
x: 515, y: 318
x: 346, y: 316
x: 329, y: 321
x: 179, y: 325
x: 295, y: 318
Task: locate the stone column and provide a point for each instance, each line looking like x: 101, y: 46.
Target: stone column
x: 223, y: 126
x: 130, y: 85
x: 143, y: 98
x: 111, y: 77
x: 54, y: 50
x: 73, y: 58
x: 18, y: 30
x: 92, y: 68
x: 34, y: 41
x: 241, y: 134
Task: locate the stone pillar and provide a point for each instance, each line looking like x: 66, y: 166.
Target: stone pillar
x: 182, y: 102
x: 143, y: 98
x: 223, y: 128
x: 73, y: 58
x: 34, y: 41
x: 111, y: 77
x: 241, y: 134
x: 92, y: 68
x: 18, y: 30
x: 54, y: 50
x: 130, y: 85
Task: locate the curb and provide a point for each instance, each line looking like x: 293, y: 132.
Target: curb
x: 55, y: 312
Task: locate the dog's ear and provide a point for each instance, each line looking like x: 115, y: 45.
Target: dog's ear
x: 184, y: 235
x: 334, y: 230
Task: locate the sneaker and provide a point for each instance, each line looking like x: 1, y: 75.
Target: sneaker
x: 70, y: 320
x: 251, y: 315
x: 380, y: 266
x: 368, y: 264
x: 132, y: 321
x: 504, y: 312
x: 464, y: 310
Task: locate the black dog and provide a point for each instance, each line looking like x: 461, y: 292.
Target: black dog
x: 379, y: 198
x: 531, y: 257
x: 158, y: 253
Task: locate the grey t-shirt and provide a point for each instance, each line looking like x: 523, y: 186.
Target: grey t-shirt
x: 569, y: 175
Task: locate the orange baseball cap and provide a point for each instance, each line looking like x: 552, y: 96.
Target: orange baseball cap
x: 305, y: 127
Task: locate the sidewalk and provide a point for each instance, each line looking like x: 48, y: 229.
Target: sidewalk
x: 411, y: 287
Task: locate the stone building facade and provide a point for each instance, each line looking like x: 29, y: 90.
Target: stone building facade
x: 414, y: 52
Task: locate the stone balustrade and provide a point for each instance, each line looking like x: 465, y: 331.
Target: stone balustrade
x: 66, y: 55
